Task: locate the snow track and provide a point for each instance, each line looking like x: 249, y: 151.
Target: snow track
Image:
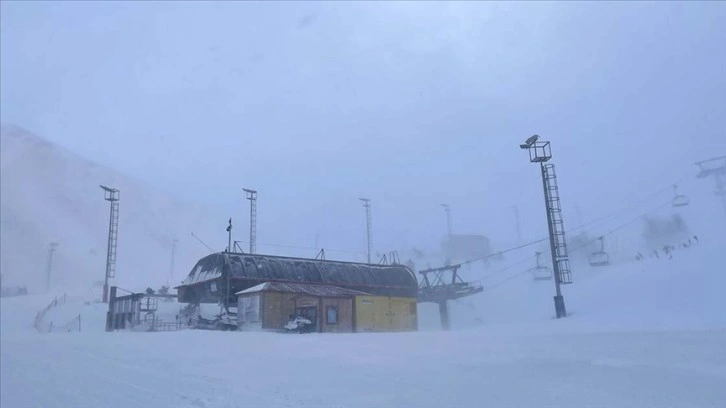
x: 219, y: 369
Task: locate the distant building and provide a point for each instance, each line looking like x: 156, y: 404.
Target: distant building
x: 458, y: 248
x: 271, y: 305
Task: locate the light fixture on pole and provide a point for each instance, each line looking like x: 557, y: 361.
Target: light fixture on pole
x: 539, y: 152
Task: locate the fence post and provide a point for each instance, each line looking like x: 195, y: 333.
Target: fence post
x: 79, y: 322
x: 50, y: 328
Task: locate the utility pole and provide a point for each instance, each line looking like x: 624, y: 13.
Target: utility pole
x: 447, y: 210
x: 516, y: 219
x: 229, y: 249
x: 252, y: 196
x: 367, y: 205
x: 539, y: 152
x: 715, y: 168
x: 229, y: 236
x: 49, y: 265
x: 174, y: 242
x: 112, y: 196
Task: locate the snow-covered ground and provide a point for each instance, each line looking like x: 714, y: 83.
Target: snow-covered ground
x: 650, y: 334
x: 640, y: 334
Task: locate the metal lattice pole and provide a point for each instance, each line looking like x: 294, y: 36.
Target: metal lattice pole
x: 111, y: 195
x: 539, y: 152
x: 367, y: 205
x: 252, y: 196
x: 49, y: 265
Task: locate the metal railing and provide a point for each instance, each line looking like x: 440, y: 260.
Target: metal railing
x: 44, y: 327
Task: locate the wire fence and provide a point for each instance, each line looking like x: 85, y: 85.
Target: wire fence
x: 74, y: 325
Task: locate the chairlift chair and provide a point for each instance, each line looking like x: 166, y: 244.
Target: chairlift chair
x: 540, y: 272
x: 599, y: 258
x: 679, y: 200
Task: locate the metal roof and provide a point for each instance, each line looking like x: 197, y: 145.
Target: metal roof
x: 267, y: 268
x: 303, y: 289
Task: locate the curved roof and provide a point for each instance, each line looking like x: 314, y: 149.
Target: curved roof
x: 267, y: 268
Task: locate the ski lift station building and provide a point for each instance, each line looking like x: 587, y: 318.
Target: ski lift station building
x: 340, y: 296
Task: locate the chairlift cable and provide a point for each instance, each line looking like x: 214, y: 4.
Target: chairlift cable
x: 597, y: 220
x: 612, y: 231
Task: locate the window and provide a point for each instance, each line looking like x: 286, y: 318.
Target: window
x: 331, y: 315
x: 213, y: 287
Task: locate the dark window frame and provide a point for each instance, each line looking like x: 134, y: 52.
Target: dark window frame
x: 327, y: 315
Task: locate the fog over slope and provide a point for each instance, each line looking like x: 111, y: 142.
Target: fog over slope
x: 50, y: 194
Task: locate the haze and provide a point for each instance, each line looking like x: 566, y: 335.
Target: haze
x: 409, y: 104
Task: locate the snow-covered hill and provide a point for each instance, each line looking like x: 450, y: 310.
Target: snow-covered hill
x: 50, y: 194
x: 640, y: 333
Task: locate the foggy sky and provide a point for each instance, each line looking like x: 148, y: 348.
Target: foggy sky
x: 409, y: 104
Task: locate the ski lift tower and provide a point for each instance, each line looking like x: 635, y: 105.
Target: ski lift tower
x: 439, y: 285
x: 539, y: 152
x: 716, y: 168
x: 111, y: 195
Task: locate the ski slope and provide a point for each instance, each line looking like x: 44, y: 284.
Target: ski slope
x: 633, y: 340
x: 50, y: 194
x: 640, y: 334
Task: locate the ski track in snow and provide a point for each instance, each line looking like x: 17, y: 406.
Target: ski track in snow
x: 465, y: 368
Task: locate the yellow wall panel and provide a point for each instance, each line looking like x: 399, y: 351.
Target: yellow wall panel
x: 384, y: 314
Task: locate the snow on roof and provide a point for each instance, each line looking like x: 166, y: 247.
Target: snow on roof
x: 302, y: 288
x: 203, y: 272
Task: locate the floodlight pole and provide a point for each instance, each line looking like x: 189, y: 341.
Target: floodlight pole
x: 229, y: 236
x: 174, y: 242
x: 447, y: 209
x: 553, y: 251
x: 516, y: 219
x: 367, y: 205
x: 112, y: 196
x: 51, y: 249
x: 252, y: 196
x: 539, y: 152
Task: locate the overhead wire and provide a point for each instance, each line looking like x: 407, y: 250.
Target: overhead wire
x: 583, y: 245
x: 591, y: 222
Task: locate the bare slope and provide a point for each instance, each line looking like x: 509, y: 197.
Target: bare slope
x: 50, y: 194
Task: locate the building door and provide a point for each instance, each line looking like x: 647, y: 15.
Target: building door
x: 310, y: 313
